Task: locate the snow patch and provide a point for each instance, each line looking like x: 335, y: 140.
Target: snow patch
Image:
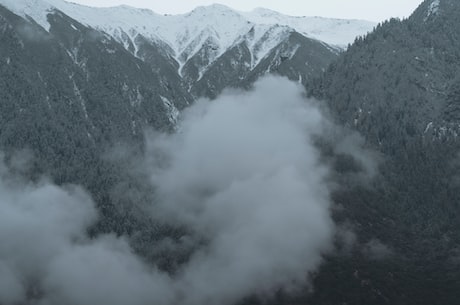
x: 428, y: 127
x: 135, y: 97
x: 77, y: 93
x: 261, y: 39
x: 47, y: 100
x: 74, y: 54
x: 433, y: 9
x: 173, y: 112
x: 133, y: 127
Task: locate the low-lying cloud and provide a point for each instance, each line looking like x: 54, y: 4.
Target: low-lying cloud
x: 46, y: 257
x: 242, y: 178
x: 37, y: 222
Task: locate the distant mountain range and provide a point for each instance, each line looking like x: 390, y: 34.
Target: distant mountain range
x: 115, y: 71
x: 222, y: 23
x: 198, y: 43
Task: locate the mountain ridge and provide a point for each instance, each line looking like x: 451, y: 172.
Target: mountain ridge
x: 181, y: 32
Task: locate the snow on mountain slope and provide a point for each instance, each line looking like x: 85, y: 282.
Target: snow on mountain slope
x: 261, y: 39
x: 337, y: 32
x: 186, y: 34
x: 35, y: 9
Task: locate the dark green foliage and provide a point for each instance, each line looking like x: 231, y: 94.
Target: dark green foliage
x: 70, y: 96
x: 398, y: 86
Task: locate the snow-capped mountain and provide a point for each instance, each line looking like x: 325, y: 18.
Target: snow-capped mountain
x: 336, y: 32
x: 167, y: 60
x: 215, y: 26
x: 115, y: 71
x: 138, y: 68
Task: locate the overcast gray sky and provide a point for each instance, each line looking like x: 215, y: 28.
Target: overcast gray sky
x: 375, y: 10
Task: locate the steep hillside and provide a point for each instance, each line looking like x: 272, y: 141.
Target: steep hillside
x: 404, y: 69
x: 79, y: 86
x: 398, y: 86
x: 68, y: 96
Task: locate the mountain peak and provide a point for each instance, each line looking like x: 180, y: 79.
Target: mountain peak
x: 216, y: 7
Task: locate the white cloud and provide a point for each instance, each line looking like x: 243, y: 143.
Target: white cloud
x: 245, y: 177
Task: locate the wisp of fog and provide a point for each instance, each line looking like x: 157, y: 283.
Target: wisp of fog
x: 242, y: 178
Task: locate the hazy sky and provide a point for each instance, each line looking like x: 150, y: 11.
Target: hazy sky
x: 375, y: 10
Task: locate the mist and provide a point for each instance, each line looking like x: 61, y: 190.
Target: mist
x: 47, y: 258
x: 242, y: 179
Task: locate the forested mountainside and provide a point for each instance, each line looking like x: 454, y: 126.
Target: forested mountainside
x: 81, y: 90
x: 74, y: 86
x: 67, y: 95
x: 72, y: 90
x: 398, y: 86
